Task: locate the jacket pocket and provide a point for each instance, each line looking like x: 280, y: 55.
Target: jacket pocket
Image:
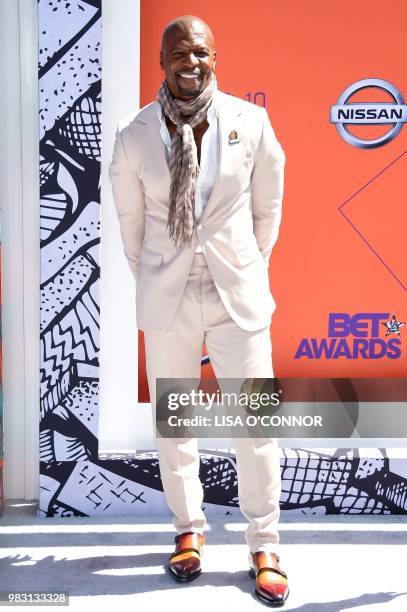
x: 247, y: 255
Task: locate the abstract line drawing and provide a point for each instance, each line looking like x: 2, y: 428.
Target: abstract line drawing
x: 70, y: 129
x: 314, y: 481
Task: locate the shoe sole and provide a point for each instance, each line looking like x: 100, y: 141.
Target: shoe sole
x: 269, y: 602
x: 186, y: 578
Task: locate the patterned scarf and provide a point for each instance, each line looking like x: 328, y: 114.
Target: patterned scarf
x: 183, y: 158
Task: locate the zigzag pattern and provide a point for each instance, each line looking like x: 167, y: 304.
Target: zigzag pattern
x: 70, y: 339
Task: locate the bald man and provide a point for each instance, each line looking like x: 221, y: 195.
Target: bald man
x: 197, y: 180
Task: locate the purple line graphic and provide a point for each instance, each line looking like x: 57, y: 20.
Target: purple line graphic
x: 342, y: 212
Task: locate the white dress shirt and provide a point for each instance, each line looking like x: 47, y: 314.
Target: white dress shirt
x: 209, y: 158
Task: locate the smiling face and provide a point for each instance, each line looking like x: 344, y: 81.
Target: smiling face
x: 187, y: 57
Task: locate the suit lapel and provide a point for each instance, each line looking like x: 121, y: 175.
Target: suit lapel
x: 230, y: 118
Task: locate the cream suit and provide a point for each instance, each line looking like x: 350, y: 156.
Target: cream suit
x: 238, y: 227
x: 220, y: 297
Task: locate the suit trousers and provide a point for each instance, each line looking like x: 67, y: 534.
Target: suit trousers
x: 234, y: 352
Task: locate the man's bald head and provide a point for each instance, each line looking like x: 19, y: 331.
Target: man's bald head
x: 184, y: 23
x: 187, y: 56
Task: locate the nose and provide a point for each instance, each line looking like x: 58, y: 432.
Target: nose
x: 191, y: 60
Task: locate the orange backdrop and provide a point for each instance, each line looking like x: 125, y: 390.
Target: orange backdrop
x: 302, y: 55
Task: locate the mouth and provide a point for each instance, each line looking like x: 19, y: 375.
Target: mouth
x: 188, y: 76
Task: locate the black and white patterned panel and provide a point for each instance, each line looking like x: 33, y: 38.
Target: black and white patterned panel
x: 314, y: 482
x: 69, y: 83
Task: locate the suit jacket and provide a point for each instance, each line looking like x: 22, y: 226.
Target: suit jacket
x: 238, y: 227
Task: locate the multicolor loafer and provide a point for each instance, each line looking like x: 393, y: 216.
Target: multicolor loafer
x: 185, y: 562
x: 271, y: 580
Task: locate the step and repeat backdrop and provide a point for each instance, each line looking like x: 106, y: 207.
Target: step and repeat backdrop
x: 332, y: 81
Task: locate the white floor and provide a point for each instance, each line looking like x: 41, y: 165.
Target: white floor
x: 333, y: 563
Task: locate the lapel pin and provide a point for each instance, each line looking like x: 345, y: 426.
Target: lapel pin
x: 233, y: 137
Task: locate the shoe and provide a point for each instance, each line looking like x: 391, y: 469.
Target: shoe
x: 271, y: 580
x: 185, y: 563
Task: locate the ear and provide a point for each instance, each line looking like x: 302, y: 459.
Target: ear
x: 161, y: 60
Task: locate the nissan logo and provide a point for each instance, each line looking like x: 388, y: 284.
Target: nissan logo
x: 344, y: 113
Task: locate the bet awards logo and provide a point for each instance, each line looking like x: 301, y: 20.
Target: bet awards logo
x: 355, y: 337
x: 345, y: 113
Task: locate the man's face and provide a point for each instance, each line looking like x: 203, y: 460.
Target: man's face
x: 188, y: 60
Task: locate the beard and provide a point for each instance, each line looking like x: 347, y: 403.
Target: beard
x: 193, y: 92
x: 190, y: 92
